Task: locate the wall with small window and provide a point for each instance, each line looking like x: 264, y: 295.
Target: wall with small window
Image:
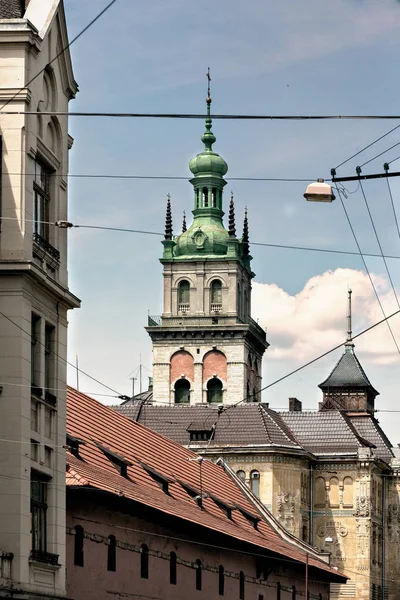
x: 108, y: 548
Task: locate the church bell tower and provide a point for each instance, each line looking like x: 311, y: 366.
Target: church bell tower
x: 206, y: 346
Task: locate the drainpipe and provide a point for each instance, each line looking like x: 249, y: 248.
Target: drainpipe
x: 310, y: 532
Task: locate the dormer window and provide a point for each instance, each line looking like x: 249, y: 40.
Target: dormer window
x: 162, y: 480
x: 119, y: 462
x: 73, y: 444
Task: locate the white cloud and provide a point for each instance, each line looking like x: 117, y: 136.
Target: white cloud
x: 311, y: 322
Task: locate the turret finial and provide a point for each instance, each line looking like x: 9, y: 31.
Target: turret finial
x: 168, y: 220
x: 208, y: 138
x: 184, y: 227
x: 232, y: 228
x: 245, y: 238
x: 349, y: 342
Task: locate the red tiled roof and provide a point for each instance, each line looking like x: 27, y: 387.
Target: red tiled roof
x: 101, y: 427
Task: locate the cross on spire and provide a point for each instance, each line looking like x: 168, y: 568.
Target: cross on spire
x: 208, y: 86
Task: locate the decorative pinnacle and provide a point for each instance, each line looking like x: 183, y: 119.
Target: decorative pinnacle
x: 168, y: 220
x: 349, y: 342
x: 208, y: 138
x: 184, y: 228
x: 232, y: 228
x: 245, y: 238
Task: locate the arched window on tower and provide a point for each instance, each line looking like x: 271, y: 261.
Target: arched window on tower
x: 205, y: 197
x: 214, y: 198
x: 214, y: 390
x: 182, y: 391
x: 216, y: 296
x: 255, y: 483
x: 184, y: 296
x: 197, y: 197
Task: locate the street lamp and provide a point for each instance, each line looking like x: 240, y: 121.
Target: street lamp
x: 319, y: 191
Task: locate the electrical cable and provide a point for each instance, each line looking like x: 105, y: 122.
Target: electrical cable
x: 53, y: 60
x: 60, y: 357
x: 380, y: 154
x: 379, y: 244
x: 393, y: 207
x: 233, y: 117
x: 368, y: 146
x: 165, y: 177
x: 141, y: 231
x: 310, y: 362
x: 366, y: 267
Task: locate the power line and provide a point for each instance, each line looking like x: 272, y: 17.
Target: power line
x: 366, y: 267
x: 167, y: 177
x: 28, y: 333
x: 52, y: 60
x: 234, y: 117
x: 393, y: 207
x: 368, y: 146
x: 157, y: 233
x: 310, y: 362
x: 379, y: 244
x: 380, y: 154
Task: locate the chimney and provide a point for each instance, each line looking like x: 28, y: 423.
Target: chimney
x: 294, y: 405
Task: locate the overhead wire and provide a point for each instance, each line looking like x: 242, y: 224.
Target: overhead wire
x: 234, y: 117
x: 393, y: 207
x: 158, y: 233
x: 366, y: 267
x: 379, y: 243
x: 96, y: 18
x: 29, y: 334
x: 310, y: 362
x: 368, y: 146
x: 380, y: 154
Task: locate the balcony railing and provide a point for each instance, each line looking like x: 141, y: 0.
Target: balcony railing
x: 44, y: 557
x: 187, y: 320
x: 45, y: 251
x: 216, y: 307
x: 183, y: 308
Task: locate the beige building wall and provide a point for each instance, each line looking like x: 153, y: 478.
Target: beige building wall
x: 34, y: 299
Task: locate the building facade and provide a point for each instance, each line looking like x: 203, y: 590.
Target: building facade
x: 206, y: 346
x: 147, y: 518
x: 34, y: 295
x: 329, y: 477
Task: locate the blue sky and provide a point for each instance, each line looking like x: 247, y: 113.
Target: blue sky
x: 265, y: 58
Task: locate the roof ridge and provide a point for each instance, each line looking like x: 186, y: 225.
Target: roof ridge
x: 281, y: 425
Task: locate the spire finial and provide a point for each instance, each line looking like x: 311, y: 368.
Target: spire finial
x: 208, y: 86
x: 232, y: 228
x: 168, y: 220
x: 245, y: 238
x: 349, y: 342
x: 184, y: 228
x: 208, y: 138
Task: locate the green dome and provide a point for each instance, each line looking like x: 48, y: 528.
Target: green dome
x: 208, y: 163
x: 205, y: 237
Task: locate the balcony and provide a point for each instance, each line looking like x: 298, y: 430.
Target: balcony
x: 44, y: 557
x: 44, y: 251
x: 187, y: 320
